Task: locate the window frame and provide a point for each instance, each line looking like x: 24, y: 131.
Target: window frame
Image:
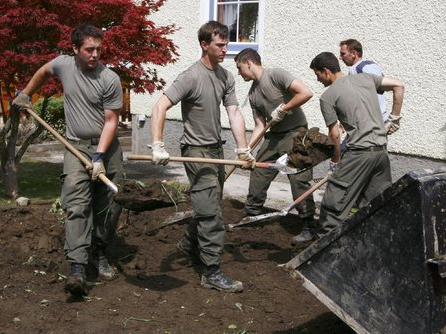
x: 236, y: 47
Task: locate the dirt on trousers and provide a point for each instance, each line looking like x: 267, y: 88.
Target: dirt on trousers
x: 157, y: 290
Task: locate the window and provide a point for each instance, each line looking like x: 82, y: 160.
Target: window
x: 244, y: 19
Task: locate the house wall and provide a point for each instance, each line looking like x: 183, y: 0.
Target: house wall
x: 405, y: 38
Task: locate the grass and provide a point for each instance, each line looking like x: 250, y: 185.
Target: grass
x: 38, y: 180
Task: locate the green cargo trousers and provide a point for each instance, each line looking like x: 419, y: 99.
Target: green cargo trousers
x: 358, y: 178
x: 206, y: 229
x: 273, y: 147
x: 92, y: 215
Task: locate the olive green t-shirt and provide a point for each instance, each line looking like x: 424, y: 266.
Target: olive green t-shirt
x: 354, y: 102
x: 269, y: 92
x: 86, y: 95
x: 201, y: 92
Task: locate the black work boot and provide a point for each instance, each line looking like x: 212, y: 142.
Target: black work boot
x: 307, y: 234
x: 214, y: 278
x: 77, y: 281
x: 99, y: 261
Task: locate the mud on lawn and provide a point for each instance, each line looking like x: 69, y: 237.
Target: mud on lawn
x: 157, y: 291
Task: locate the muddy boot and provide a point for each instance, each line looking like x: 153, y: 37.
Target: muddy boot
x: 99, y: 261
x: 307, y: 234
x: 214, y: 278
x: 77, y: 281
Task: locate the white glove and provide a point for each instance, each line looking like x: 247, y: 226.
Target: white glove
x: 393, y: 124
x: 98, y: 165
x: 245, y: 155
x: 160, y: 155
x: 22, y: 101
x: 331, y: 166
x: 278, y: 114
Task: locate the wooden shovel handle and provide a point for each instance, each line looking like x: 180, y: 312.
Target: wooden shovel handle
x: 190, y: 159
x: 305, y: 194
x: 254, y: 144
x: 73, y: 150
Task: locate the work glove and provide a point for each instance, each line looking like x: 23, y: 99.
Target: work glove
x: 393, y: 124
x: 22, y: 101
x: 245, y: 155
x: 278, y: 114
x: 331, y: 167
x: 160, y: 155
x: 98, y: 165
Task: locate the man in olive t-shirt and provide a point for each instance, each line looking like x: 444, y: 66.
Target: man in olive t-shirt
x: 363, y: 171
x: 276, y: 96
x: 92, y: 102
x: 201, y: 89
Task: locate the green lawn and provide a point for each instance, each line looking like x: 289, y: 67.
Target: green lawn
x: 38, y: 180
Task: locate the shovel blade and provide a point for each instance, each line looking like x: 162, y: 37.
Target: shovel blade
x: 177, y: 217
x: 259, y: 218
x: 284, y: 169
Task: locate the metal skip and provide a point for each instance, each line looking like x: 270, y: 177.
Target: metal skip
x: 382, y: 270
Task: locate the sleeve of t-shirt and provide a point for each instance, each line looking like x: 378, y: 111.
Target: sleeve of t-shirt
x: 113, y: 92
x: 180, y: 88
x: 281, y: 78
x: 328, y: 112
x: 55, y: 65
x: 378, y: 79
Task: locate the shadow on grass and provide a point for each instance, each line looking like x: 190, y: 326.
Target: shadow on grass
x: 38, y: 180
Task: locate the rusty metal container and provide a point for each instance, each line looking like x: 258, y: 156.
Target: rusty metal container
x: 384, y: 270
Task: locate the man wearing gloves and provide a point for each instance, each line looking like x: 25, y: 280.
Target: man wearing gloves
x: 351, y: 54
x: 363, y: 171
x: 92, y: 102
x: 277, y: 96
x: 201, y: 89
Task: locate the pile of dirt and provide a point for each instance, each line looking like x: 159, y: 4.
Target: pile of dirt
x: 149, y: 195
x: 310, y: 147
x: 157, y: 291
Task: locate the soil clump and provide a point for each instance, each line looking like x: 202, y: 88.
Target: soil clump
x: 310, y: 147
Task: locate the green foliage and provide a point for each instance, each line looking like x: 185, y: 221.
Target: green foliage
x: 39, y: 180
x: 54, y: 116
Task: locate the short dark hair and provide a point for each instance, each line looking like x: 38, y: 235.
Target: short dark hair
x: 248, y: 54
x: 352, y: 44
x: 210, y: 29
x: 82, y: 31
x: 325, y: 60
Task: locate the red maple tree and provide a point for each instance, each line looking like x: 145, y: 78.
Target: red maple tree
x: 32, y: 32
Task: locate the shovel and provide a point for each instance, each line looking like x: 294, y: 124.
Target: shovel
x: 278, y: 165
x: 253, y: 145
x: 284, y: 212
x: 179, y: 216
x: 73, y: 150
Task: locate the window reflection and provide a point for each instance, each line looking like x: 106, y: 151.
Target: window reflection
x: 241, y: 18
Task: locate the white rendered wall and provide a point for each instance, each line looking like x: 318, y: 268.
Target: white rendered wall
x: 406, y: 38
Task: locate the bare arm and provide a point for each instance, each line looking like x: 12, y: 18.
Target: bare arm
x: 259, y: 125
x: 38, y: 79
x: 397, y: 87
x: 237, y: 123
x: 334, y: 133
x: 301, y: 95
x: 109, y: 129
x: 158, y: 118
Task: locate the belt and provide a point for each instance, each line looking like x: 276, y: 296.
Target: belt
x: 210, y: 146
x: 92, y: 141
x: 369, y: 149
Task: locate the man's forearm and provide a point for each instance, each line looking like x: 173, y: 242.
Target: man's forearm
x: 38, y: 79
